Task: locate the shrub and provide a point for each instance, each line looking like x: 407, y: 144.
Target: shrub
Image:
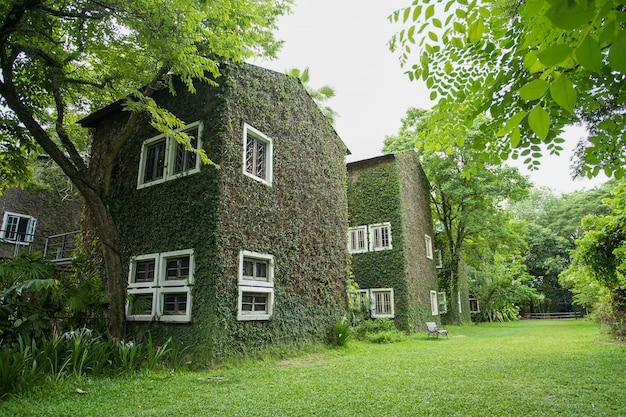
x: 341, y: 332
x: 378, y: 331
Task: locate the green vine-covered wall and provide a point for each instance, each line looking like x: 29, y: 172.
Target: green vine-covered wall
x: 301, y: 219
x: 393, y: 188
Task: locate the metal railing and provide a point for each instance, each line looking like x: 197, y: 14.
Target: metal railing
x: 59, y: 247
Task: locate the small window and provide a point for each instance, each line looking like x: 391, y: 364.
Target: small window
x: 18, y: 228
x: 443, y: 302
x: 380, y: 236
x: 429, y: 246
x: 165, y: 277
x: 256, y: 286
x: 474, y: 307
x: 382, y: 302
x: 434, y: 303
x: 357, y: 239
x: 438, y: 259
x: 257, y: 155
x: 458, y: 298
x: 163, y: 158
x: 255, y: 303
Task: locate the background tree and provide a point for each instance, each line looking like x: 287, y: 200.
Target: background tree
x: 60, y: 60
x: 534, y: 66
x: 319, y: 95
x: 468, y: 208
x: 600, y: 257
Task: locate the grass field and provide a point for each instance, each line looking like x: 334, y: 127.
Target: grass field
x: 526, y: 368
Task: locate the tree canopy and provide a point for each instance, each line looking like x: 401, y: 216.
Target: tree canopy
x: 60, y: 60
x: 533, y: 67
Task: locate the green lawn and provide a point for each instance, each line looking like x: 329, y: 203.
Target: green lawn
x: 526, y: 368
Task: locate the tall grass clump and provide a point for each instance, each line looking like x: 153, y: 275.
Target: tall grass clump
x: 378, y: 331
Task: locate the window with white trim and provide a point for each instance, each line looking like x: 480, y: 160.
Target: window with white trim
x: 429, y: 247
x: 458, y: 296
x: 357, y: 239
x: 257, y: 155
x: 443, y: 302
x: 438, y: 259
x: 434, y: 303
x: 18, y: 228
x: 380, y: 236
x: 256, y: 286
x: 159, y: 287
x: 474, y: 307
x: 163, y: 158
x: 382, y: 303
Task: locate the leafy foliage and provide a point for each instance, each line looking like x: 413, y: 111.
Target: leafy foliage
x: 533, y: 66
x: 319, y: 95
x: 600, y: 256
x: 61, y: 60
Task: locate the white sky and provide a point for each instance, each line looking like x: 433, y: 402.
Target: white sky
x: 344, y: 44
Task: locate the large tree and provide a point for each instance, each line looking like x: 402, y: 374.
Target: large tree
x: 60, y: 59
x: 533, y: 66
x: 468, y: 208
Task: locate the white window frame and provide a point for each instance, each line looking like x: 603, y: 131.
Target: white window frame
x: 372, y: 295
x: 160, y: 286
x: 29, y: 234
x: 429, y: 246
x: 443, y: 302
x: 434, y: 303
x: 253, y: 285
x: 269, y: 152
x: 458, y: 296
x: 477, y: 309
x: 170, y: 156
x: 255, y: 315
x: 372, y: 233
x: 438, y: 259
x: 354, y: 232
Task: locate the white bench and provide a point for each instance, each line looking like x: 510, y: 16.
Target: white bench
x: 434, y: 330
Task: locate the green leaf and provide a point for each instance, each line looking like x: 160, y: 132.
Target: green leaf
x: 571, y: 15
x: 589, y: 55
x: 407, y: 13
x: 617, y: 54
x: 515, y: 137
x: 416, y: 12
x: 433, y: 36
x: 564, y: 93
x: 532, y: 63
x: 430, y: 11
x: 512, y: 122
x: 539, y: 122
x: 555, y: 54
x: 534, y: 89
x: 475, y: 31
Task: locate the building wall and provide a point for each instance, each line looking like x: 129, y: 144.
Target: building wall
x: 394, y: 189
x: 300, y: 219
x: 420, y: 269
x: 55, y: 213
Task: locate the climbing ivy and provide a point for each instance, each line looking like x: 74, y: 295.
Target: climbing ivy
x: 301, y: 219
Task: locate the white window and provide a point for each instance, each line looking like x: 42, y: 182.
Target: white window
x: 380, y: 236
x: 382, y: 302
x: 159, y: 286
x: 458, y: 296
x: 443, y: 302
x: 438, y: 259
x: 357, y: 239
x: 163, y: 158
x: 18, y: 228
x: 474, y: 307
x: 256, y: 286
x: 434, y: 303
x: 429, y: 246
x: 257, y: 155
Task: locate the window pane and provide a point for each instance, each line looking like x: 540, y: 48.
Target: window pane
x: 254, y: 302
x: 186, y: 160
x: 144, y: 271
x: 175, y: 304
x: 255, y: 269
x: 155, y: 161
x: 255, y: 156
x: 177, y: 268
x: 248, y: 268
x: 141, y: 305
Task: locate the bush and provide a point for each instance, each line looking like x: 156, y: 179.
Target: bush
x: 341, y: 332
x: 378, y: 331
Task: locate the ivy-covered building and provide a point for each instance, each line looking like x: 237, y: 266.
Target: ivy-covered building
x: 38, y: 218
x: 390, y: 237
x: 233, y: 260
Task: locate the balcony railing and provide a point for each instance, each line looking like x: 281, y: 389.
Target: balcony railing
x: 59, y: 247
